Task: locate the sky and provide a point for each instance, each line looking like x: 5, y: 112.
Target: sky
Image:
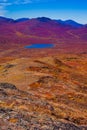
x: 55, y: 9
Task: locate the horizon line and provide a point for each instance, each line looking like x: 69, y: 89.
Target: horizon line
x: 42, y: 17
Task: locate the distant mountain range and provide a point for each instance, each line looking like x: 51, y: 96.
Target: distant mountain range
x: 42, y: 19
x: 70, y: 22
x: 4, y: 19
x: 40, y: 30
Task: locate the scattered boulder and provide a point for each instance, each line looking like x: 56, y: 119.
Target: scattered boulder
x: 7, y: 86
x: 3, y: 93
x: 9, y: 66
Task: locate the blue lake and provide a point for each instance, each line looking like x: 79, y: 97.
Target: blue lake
x: 42, y: 45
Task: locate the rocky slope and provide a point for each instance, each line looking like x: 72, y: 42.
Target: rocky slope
x: 48, y: 93
x: 22, y: 111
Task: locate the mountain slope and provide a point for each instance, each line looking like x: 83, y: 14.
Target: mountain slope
x: 5, y: 20
x: 42, y: 30
x: 21, y: 20
x: 71, y: 23
x: 44, y: 92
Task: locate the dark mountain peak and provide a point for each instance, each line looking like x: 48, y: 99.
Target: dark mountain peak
x: 70, y: 23
x: 43, y: 19
x: 85, y: 25
x: 21, y: 20
x: 60, y: 21
x: 73, y: 23
x: 4, y: 19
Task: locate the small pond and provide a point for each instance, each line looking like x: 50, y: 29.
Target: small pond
x: 40, y: 45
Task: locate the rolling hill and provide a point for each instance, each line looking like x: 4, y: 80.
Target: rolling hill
x: 42, y: 30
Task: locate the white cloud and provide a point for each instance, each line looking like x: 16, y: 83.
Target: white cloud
x: 2, y: 11
x: 22, y: 1
x: 10, y: 2
x: 5, y: 3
